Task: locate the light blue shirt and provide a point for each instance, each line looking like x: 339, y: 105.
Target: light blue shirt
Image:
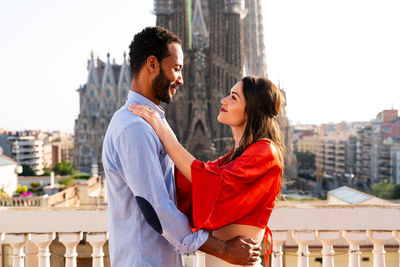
x: 145, y: 227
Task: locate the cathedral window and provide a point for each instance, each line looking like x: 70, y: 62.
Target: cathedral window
x: 84, y: 127
x: 85, y: 150
x: 91, y: 94
x: 108, y: 93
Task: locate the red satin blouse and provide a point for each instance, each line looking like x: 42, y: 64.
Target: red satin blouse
x: 240, y: 192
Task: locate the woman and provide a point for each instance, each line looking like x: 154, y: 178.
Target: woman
x: 235, y: 194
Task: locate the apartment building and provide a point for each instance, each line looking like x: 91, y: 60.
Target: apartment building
x: 395, y: 163
x: 304, y: 138
x: 364, y: 154
x: 40, y: 150
x: 307, y: 143
x: 62, y: 148
x: 332, y: 154
x: 27, y: 150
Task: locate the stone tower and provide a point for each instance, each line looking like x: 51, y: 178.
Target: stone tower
x: 223, y: 40
x: 105, y: 91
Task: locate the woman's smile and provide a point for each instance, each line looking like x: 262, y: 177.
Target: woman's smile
x: 232, y: 111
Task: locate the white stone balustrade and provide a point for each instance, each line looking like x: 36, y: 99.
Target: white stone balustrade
x: 279, y: 238
x: 354, y: 239
x: 327, y: 238
x: 17, y: 242
x: 97, y: 241
x: 70, y: 241
x: 379, y: 238
x: 43, y: 242
x: 396, y: 235
x: 303, y: 238
x: 293, y: 225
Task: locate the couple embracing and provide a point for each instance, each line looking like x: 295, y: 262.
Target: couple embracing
x: 162, y: 201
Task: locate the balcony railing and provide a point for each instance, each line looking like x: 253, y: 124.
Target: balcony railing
x: 299, y: 225
x: 88, y: 193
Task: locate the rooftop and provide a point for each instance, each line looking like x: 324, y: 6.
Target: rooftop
x: 350, y: 195
x: 4, y: 160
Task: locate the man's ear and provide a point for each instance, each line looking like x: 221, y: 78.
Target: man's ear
x: 152, y: 64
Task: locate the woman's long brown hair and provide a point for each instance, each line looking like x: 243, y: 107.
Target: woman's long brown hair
x: 264, y: 102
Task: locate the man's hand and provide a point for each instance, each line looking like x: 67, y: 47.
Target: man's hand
x: 239, y: 250
x: 242, y: 250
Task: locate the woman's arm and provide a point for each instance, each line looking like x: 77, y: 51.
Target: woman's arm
x: 179, y: 155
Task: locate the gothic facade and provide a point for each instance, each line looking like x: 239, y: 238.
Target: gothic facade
x: 105, y: 91
x: 223, y: 40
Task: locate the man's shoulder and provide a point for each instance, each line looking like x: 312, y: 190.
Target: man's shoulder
x: 123, y: 121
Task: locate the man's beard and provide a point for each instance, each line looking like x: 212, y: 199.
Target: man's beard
x: 161, y: 86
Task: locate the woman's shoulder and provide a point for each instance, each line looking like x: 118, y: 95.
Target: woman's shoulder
x: 261, y: 148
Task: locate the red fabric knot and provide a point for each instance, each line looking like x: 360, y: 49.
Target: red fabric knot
x: 267, y: 250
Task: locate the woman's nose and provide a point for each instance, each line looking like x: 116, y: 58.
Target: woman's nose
x: 223, y: 100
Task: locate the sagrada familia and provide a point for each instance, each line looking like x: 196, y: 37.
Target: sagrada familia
x: 222, y: 41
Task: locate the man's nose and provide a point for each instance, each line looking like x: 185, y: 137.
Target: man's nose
x: 179, y: 80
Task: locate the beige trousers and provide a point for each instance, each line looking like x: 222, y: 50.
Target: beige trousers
x: 212, y: 261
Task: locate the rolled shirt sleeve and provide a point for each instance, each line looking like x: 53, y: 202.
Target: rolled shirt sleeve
x: 145, y: 178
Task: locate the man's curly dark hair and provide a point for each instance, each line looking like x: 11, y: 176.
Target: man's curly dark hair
x: 150, y: 41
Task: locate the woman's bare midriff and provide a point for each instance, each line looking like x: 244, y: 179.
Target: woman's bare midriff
x: 231, y: 231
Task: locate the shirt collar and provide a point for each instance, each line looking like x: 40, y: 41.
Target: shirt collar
x: 137, y: 98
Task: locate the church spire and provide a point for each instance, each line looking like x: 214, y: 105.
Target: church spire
x: 108, y: 75
x: 92, y: 72
x: 199, y: 29
x: 163, y: 7
x: 124, y: 81
x: 125, y: 74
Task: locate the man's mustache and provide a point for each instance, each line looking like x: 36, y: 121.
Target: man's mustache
x: 174, y: 85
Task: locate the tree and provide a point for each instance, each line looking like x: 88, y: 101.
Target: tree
x: 63, y: 168
x: 305, y: 160
x: 396, y: 192
x: 46, y: 172
x: 27, y: 171
x: 385, y: 189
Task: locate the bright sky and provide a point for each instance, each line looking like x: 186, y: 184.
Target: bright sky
x: 337, y: 60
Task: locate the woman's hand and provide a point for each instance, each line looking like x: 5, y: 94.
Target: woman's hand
x: 179, y: 155
x: 151, y: 116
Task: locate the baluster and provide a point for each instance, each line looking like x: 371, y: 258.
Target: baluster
x: 396, y: 235
x: 303, y: 238
x: 43, y: 242
x: 200, y: 259
x: 70, y: 241
x: 379, y: 238
x: 17, y: 242
x: 354, y: 238
x: 97, y: 241
x: 327, y: 238
x: 279, y: 237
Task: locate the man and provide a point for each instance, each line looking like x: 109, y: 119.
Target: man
x: 145, y: 226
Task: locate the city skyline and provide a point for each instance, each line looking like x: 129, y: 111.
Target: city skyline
x: 336, y: 61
